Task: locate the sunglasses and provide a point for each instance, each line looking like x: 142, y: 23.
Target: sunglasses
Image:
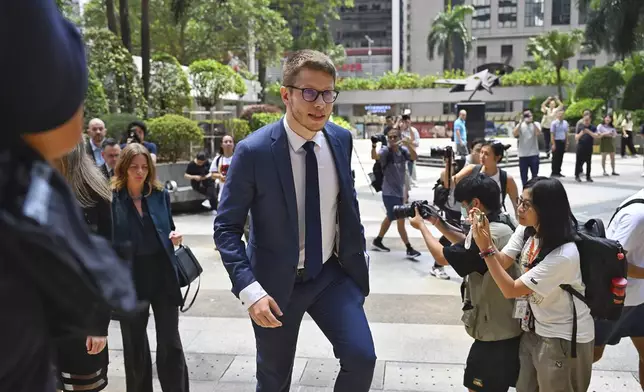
x: 311, y: 94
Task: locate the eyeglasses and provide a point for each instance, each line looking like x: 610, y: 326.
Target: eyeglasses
x: 525, y: 203
x: 393, y: 137
x: 311, y: 94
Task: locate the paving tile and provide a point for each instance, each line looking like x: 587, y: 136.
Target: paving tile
x: 243, y: 369
x: 234, y: 387
x: 379, y: 375
x: 208, y: 367
x: 320, y: 372
x: 409, y: 376
x: 613, y: 382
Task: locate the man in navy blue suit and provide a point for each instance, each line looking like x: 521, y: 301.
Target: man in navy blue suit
x: 306, y: 251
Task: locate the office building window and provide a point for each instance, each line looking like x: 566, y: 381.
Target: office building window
x: 566, y: 65
x: 481, y: 16
x: 534, y: 10
x: 585, y: 64
x: 481, y: 52
x: 583, y: 13
x: 506, y: 51
x: 507, y: 13
x: 560, y: 12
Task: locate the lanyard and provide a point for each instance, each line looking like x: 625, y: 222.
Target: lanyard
x: 533, y: 252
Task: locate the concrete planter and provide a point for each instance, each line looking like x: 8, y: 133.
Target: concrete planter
x: 184, y: 197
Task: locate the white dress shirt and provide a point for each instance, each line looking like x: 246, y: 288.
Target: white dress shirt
x: 329, y: 189
x: 96, y: 151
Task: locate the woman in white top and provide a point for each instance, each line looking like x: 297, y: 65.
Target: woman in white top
x: 219, y: 167
x: 548, y: 254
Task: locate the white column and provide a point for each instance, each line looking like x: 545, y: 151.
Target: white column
x: 395, y: 35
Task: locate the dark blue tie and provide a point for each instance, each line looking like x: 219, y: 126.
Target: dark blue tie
x: 313, y: 225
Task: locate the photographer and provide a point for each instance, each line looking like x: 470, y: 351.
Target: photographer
x: 394, y: 158
x: 135, y: 133
x: 528, y: 132
x: 491, y: 154
x: 493, y: 361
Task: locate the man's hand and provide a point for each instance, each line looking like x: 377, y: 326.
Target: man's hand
x: 480, y: 229
x: 95, y: 344
x: 417, y: 222
x: 262, y: 313
x: 553, y: 147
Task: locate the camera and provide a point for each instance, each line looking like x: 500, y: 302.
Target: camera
x: 132, y: 137
x: 381, y: 138
x: 441, y: 152
x: 425, y: 210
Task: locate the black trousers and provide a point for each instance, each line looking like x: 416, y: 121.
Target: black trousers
x: 628, y: 142
x: 546, y: 139
x: 207, y: 188
x: 584, y: 155
x: 171, y: 362
x: 557, y: 156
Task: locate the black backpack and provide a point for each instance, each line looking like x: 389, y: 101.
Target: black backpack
x: 601, y: 261
x: 378, y: 171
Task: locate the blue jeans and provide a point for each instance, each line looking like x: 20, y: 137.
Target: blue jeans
x: 531, y: 162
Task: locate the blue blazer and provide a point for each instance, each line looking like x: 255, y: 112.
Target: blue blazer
x: 123, y: 218
x: 260, y: 179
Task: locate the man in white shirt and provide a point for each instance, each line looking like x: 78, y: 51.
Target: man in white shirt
x: 627, y: 227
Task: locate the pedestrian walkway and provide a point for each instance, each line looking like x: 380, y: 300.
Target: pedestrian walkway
x: 415, y: 318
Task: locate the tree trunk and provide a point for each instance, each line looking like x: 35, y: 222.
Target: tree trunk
x: 559, y: 88
x: 126, y: 35
x: 261, y: 77
x: 145, y: 46
x: 111, y: 17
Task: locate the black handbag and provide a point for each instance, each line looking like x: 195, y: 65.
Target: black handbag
x: 189, y: 270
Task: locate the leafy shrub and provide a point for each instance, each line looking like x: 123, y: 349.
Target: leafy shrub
x: 600, y: 82
x: 116, y: 123
x: 95, y: 101
x: 169, y: 86
x: 238, y: 128
x: 337, y: 120
x: 249, y: 110
x: 259, y: 120
x: 575, y: 111
x: 633, y: 96
x: 173, y: 135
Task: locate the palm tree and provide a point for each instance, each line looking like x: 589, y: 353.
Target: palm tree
x: 111, y: 16
x: 556, y: 47
x: 126, y: 35
x: 449, y: 27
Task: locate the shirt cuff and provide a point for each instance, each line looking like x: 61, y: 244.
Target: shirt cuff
x: 251, y: 294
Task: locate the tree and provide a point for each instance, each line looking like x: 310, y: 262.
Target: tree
x: 556, y: 47
x: 600, y: 82
x: 614, y: 25
x: 126, y: 35
x: 145, y: 47
x: 95, y: 100
x: 110, y: 15
x: 115, y: 68
x: 447, y: 28
x: 212, y: 80
x: 169, y: 86
x: 633, y: 97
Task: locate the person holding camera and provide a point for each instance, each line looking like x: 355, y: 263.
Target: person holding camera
x: 528, y: 132
x: 493, y: 361
x: 393, y: 158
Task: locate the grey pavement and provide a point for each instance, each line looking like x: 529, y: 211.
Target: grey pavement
x: 415, y: 318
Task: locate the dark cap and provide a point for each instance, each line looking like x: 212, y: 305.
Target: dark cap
x: 44, y: 79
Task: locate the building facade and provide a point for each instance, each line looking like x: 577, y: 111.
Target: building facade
x: 501, y: 31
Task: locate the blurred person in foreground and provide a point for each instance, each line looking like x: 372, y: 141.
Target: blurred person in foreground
x: 82, y: 361
x: 52, y: 269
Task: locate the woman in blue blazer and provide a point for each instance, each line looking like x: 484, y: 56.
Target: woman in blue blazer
x: 142, y: 218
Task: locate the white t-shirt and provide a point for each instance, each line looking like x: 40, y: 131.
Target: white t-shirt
x: 550, y: 304
x: 221, y: 162
x: 628, y: 228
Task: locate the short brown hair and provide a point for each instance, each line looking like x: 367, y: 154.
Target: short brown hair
x: 306, y: 58
x: 119, y: 181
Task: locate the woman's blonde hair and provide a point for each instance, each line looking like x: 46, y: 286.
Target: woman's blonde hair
x: 119, y: 181
x: 85, y: 179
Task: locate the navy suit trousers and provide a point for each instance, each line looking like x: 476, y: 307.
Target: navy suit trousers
x: 335, y: 303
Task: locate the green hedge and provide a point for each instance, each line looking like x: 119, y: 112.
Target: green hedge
x: 337, y: 120
x: 173, y: 135
x: 575, y: 111
x: 116, y: 123
x: 601, y: 83
x: 261, y: 119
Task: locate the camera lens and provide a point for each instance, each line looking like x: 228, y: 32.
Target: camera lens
x: 404, y: 211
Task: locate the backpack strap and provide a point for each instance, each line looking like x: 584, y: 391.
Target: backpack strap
x: 601, y: 230
x: 628, y: 203
x: 476, y: 170
x: 503, y: 178
x: 573, y: 293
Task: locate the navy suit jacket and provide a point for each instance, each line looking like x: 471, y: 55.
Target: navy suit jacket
x: 260, y: 179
